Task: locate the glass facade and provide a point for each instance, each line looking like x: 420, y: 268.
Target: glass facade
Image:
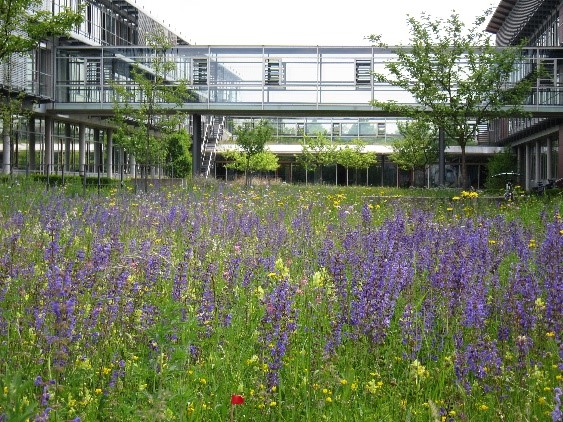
x: 538, y: 24
x: 344, y: 130
x: 243, y: 81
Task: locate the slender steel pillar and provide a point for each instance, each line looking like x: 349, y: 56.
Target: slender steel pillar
x: 527, y: 167
x: 537, y: 159
x: 196, y: 145
x: 31, y: 140
x: 549, y: 158
x: 82, y: 149
x: 48, y: 160
x: 109, y: 157
x: 68, y: 145
x: 6, y: 144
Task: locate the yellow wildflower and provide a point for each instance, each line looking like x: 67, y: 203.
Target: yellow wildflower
x: 542, y: 400
x: 190, y: 408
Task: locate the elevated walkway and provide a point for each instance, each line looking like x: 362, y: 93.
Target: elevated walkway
x: 263, y: 80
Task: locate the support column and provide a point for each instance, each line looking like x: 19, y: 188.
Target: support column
x: 48, y: 160
x: 31, y: 142
x: 6, y: 141
x: 549, y: 158
x: 537, y: 159
x: 68, y: 144
x: 132, y: 166
x: 109, y: 158
x: 527, y: 169
x: 196, y: 144
x: 519, y: 164
x: 82, y: 149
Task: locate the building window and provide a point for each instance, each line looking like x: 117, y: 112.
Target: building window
x: 363, y: 72
x: 199, y: 74
x: 336, y: 129
x: 272, y: 72
x: 381, y: 129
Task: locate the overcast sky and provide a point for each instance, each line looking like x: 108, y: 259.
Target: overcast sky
x: 301, y: 22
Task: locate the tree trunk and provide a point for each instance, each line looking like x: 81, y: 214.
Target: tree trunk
x: 6, y: 153
x: 6, y: 141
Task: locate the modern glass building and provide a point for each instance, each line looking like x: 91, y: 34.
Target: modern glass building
x: 43, y: 140
x: 536, y: 140
x: 302, y: 90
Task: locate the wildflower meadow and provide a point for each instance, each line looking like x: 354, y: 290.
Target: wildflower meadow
x: 282, y: 303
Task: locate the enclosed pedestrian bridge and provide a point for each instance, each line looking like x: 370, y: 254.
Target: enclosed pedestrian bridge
x: 265, y: 80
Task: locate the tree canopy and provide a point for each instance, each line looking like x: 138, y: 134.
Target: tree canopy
x: 417, y: 148
x: 354, y: 157
x: 23, y: 25
x: 456, y: 75
x: 252, y: 156
x: 146, y: 116
x: 316, y: 152
x: 179, y: 157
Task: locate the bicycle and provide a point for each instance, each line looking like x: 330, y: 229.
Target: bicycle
x: 509, y: 191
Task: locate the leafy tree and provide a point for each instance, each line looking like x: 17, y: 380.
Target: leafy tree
x: 251, y: 141
x: 11, y: 109
x: 457, y: 77
x: 354, y: 157
x: 261, y: 161
x: 144, y: 107
x: 265, y: 161
x: 501, y: 162
x: 418, y: 148
x: 316, y: 152
x: 23, y: 25
x: 179, y: 156
x: 367, y: 159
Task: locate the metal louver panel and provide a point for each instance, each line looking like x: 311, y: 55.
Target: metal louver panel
x: 516, y: 20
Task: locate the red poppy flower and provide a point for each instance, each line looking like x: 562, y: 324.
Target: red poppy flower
x: 237, y: 399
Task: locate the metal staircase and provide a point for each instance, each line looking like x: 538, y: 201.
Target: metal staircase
x: 212, y: 135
